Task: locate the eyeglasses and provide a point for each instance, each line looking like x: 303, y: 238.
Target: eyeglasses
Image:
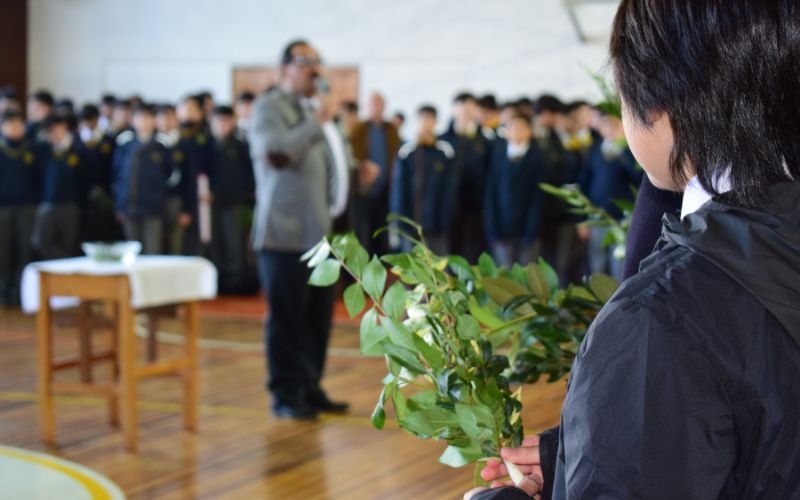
x: 306, y: 61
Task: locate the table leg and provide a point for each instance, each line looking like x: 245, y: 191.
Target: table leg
x: 85, y: 341
x: 112, y: 310
x: 191, y: 332
x: 127, y: 375
x: 44, y: 335
x: 152, y: 336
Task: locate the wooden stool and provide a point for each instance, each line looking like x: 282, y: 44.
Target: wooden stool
x: 121, y: 391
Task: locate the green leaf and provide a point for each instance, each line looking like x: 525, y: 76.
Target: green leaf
x: 378, y: 418
x: 537, y: 282
x: 461, y: 267
x: 399, y: 334
x: 357, y: 259
x: 486, y: 265
x: 459, y: 457
x: 603, y: 286
x: 394, y: 301
x: 432, y: 355
x: 326, y: 273
x: 468, y: 327
x: 354, y: 299
x: 407, y: 358
x: 550, y: 275
x: 371, y: 334
x: 484, y: 315
x: 503, y: 290
x: 374, y: 278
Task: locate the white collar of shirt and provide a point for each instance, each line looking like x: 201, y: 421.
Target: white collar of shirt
x: 695, y: 196
x: 517, y: 150
x: 64, y: 145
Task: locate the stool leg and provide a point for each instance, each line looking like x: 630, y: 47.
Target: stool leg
x: 85, y: 342
x: 152, y: 336
x: 113, y: 401
x: 127, y: 375
x: 191, y: 327
x: 44, y: 335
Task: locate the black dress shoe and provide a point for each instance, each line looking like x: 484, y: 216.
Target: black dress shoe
x: 295, y: 412
x: 324, y: 405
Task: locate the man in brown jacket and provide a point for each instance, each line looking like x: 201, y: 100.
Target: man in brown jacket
x: 375, y: 143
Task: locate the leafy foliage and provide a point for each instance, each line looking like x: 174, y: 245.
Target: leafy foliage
x: 456, y: 337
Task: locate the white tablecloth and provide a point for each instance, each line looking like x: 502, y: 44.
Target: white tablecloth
x: 155, y: 279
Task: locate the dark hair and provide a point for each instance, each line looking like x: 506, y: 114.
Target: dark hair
x: 400, y: 115
x: 44, y: 97
x: 726, y: 74
x: 246, y: 96
x: 11, y: 114
x: 574, y: 105
x: 108, y: 99
x: 548, y: 103
x: 144, y: 108
x: 427, y: 109
x: 223, y: 111
x: 350, y: 106
x: 66, y: 104
x: 122, y: 103
x: 489, y: 101
x: 55, y: 119
x: 205, y: 95
x: 196, y: 98
x: 89, y: 112
x: 521, y: 117
x: 287, y: 56
x: 165, y: 108
x: 463, y: 97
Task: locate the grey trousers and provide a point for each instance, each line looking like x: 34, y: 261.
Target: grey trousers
x: 16, y: 225
x: 149, y: 231
x: 506, y: 253
x: 228, y: 246
x: 56, y: 233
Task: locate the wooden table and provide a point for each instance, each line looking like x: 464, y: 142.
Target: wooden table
x: 83, y: 281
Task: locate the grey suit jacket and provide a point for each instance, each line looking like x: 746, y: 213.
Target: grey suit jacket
x: 290, y: 160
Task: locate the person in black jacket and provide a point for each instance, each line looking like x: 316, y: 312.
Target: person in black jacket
x: 686, y: 384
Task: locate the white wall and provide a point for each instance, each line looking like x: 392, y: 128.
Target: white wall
x: 411, y: 50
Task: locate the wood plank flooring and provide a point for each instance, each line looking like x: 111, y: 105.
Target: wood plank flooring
x: 240, y: 451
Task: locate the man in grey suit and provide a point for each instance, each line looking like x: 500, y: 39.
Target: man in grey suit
x: 292, y: 164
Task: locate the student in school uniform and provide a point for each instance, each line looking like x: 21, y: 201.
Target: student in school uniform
x: 424, y: 183
x: 243, y: 110
x: 39, y: 108
x: 106, y: 109
x: 20, y: 187
x: 472, y: 144
x: 234, y: 188
x: 100, y: 223
x: 56, y: 232
x: 513, y: 198
x: 141, y: 166
x: 195, y: 155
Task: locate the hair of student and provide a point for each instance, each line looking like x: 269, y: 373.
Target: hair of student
x: 89, y: 112
x: 464, y: 97
x: 548, y: 103
x: 108, y: 99
x: 196, y: 98
x: 223, y: 111
x: 726, y: 75
x: 400, y: 115
x: 489, y: 101
x: 246, y: 96
x: 427, y: 109
x: 11, y: 114
x: 166, y: 108
x: 145, y: 108
x: 521, y: 117
x: 44, y: 97
x: 287, y: 56
x: 65, y: 103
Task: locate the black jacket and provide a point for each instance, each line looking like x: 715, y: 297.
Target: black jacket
x: 686, y: 385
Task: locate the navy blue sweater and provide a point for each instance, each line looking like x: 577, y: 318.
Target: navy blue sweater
x: 140, y: 172
x: 20, y: 174
x: 606, y: 178
x: 65, y: 174
x: 472, y: 156
x: 424, y: 184
x: 513, y: 208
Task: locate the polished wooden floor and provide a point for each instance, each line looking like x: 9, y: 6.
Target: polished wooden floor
x: 240, y: 451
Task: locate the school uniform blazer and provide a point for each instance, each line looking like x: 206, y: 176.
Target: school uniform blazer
x: 290, y: 164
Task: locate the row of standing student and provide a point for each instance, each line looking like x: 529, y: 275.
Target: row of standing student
x: 475, y: 188
x: 180, y: 181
